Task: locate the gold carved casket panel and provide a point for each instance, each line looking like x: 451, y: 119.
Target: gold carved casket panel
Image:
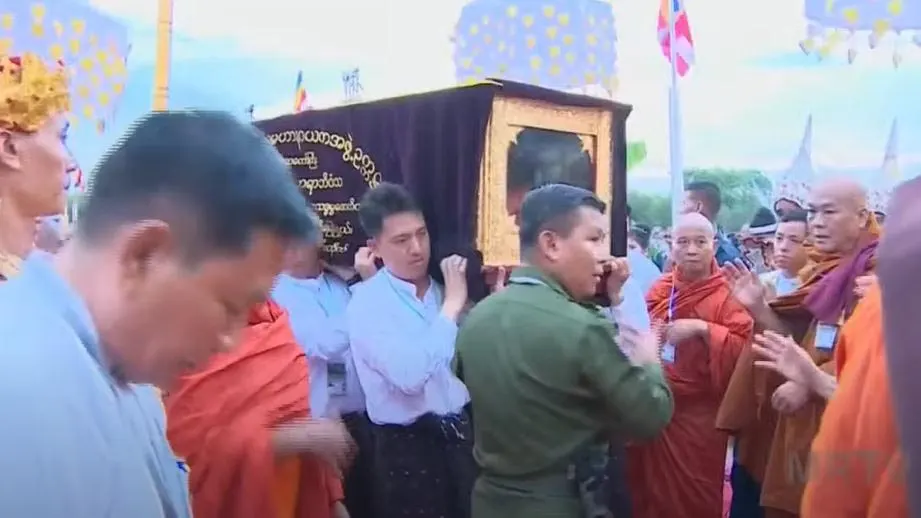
x: 531, y: 143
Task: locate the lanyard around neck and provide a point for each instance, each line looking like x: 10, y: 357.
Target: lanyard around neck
x: 672, y: 299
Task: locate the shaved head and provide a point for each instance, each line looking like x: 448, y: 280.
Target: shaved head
x: 848, y: 191
x: 838, y: 215
x: 694, y: 222
x: 693, y: 244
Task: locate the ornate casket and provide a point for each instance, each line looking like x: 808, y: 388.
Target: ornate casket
x: 467, y: 154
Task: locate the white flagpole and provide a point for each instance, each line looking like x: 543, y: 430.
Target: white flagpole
x: 675, y: 155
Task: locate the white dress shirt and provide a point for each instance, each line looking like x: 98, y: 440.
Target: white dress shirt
x: 643, y: 271
x: 316, y: 308
x: 403, y: 348
x: 780, y: 283
x: 632, y: 309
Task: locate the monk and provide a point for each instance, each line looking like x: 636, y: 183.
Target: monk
x: 34, y: 101
x: 775, y: 419
x: 242, y: 425
x: 681, y: 472
x: 898, y: 279
x: 856, y: 468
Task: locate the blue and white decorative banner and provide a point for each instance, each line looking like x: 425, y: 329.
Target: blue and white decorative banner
x: 92, y: 45
x: 561, y: 44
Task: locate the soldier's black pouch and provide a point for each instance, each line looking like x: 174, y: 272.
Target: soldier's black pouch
x: 590, y: 473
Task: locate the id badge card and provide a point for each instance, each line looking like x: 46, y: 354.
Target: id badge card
x: 825, y: 337
x: 335, y: 379
x: 668, y: 353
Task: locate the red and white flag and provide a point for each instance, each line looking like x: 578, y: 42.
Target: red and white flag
x: 672, y: 11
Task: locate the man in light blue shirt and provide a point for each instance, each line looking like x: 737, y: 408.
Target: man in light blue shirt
x: 632, y: 310
x: 402, y: 327
x: 184, y: 230
x: 643, y: 271
x: 790, y: 255
x: 316, y: 301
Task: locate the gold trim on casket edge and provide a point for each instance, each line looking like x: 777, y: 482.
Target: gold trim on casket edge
x: 497, y: 234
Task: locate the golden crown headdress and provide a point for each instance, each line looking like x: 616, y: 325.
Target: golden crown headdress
x: 31, y: 92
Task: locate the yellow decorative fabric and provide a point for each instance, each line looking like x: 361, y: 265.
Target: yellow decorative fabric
x: 31, y: 92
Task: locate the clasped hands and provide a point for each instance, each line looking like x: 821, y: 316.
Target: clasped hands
x: 682, y: 329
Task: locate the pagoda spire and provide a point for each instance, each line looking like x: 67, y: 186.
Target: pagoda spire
x: 793, y: 184
x: 890, y: 175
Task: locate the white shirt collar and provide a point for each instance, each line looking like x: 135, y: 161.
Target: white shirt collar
x: 410, y: 289
x: 314, y: 283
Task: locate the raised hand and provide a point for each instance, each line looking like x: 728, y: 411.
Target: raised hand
x: 863, y: 283
x: 500, y: 281
x: 501, y: 277
x: 784, y: 356
x: 454, y: 269
x: 364, y: 263
x: 745, y: 284
x: 619, y: 270
x: 684, y: 328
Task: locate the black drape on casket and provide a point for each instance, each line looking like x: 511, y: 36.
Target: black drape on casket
x: 432, y: 143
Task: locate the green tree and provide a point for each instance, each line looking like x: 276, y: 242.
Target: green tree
x: 743, y: 192
x: 650, y: 209
x: 636, y: 153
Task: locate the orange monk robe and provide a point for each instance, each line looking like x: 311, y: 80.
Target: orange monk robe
x: 856, y: 468
x: 774, y: 448
x: 220, y: 420
x: 681, y: 472
x: 746, y: 411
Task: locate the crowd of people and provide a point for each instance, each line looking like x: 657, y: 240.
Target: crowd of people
x: 188, y: 352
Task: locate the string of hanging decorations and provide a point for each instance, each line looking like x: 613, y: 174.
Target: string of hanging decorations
x: 568, y: 45
x: 861, y: 25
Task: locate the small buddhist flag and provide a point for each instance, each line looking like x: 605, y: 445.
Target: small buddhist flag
x: 300, y: 94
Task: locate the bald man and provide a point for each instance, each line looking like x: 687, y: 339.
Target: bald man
x: 773, y: 445
x: 681, y: 472
x: 703, y: 197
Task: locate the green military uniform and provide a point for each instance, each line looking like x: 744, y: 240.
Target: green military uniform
x: 548, y: 383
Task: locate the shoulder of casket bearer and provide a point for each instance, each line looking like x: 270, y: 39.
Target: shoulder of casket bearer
x: 499, y: 86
